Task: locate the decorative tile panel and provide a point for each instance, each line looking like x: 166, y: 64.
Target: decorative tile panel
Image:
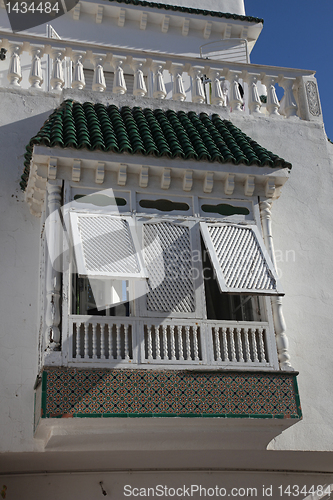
x: 128, y: 393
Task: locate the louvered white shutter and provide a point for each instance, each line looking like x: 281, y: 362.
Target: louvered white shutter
x: 106, y: 246
x: 240, y: 259
x: 168, y: 258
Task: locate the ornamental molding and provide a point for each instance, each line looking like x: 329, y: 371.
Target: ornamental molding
x: 313, y: 98
x: 96, y: 169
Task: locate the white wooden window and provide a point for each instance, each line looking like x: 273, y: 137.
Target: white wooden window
x: 240, y: 259
x: 106, y: 246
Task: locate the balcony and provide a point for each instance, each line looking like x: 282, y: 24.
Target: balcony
x: 177, y: 344
x: 32, y: 62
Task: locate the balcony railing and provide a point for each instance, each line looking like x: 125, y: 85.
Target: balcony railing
x: 110, y: 341
x: 57, y: 64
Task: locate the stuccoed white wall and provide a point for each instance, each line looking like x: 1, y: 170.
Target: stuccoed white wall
x: 21, y: 116
x: 303, y: 238
x: 302, y: 222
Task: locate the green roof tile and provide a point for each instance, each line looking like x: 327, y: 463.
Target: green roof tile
x: 189, y: 10
x: 148, y: 132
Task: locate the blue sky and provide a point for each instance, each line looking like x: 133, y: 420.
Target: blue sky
x: 298, y: 34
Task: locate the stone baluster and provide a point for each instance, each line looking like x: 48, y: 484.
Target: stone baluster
x: 289, y: 104
x: 36, y: 76
x: 57, y: 75
x: 79, y: 81
x: 217, y: 97
x: 53, y: 274
x: 235, y: 98
x: 198, y: 93
x: 98, y: 84
x: 14, y: 72
x: 178, y: 91
x: 278, y: 318
x: 119, y: 84
x: 272, y: 104
x: 159, y: 91
x: 139, y: 87
x: 254, y: 102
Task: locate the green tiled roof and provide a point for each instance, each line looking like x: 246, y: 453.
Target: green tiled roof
x: 189, y: 10
x: 149, y: 132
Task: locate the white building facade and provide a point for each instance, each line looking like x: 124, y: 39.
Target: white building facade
x: 166, y: 259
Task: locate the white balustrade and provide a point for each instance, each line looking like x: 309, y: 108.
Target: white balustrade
x: 224, y: 77
x: 98, y: 340
x: 113, y: 340
x: 244, y: 344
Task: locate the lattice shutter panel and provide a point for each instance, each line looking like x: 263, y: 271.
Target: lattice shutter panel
x: 104, y: 246
x: 171, y: 271
x: 239, y: 258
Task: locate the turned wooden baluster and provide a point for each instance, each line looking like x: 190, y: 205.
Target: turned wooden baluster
x: 94, y: 341
x: 196, y: 343
x: 102, y: 330
x: 173, y: 342
x: 188, y: 343
x: 217, y: 343
x: 239, y: 345
x: 165, y: 342
x: 86, y: 341
x: 126, y: 342
x: 118, y: 342
x: 225, y: 344
x: 78, y: 340
x: 180, y: 343
x: 247, y: 345
x: 150, y: 343
x: 232, y: 345
x: 158, y: 343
